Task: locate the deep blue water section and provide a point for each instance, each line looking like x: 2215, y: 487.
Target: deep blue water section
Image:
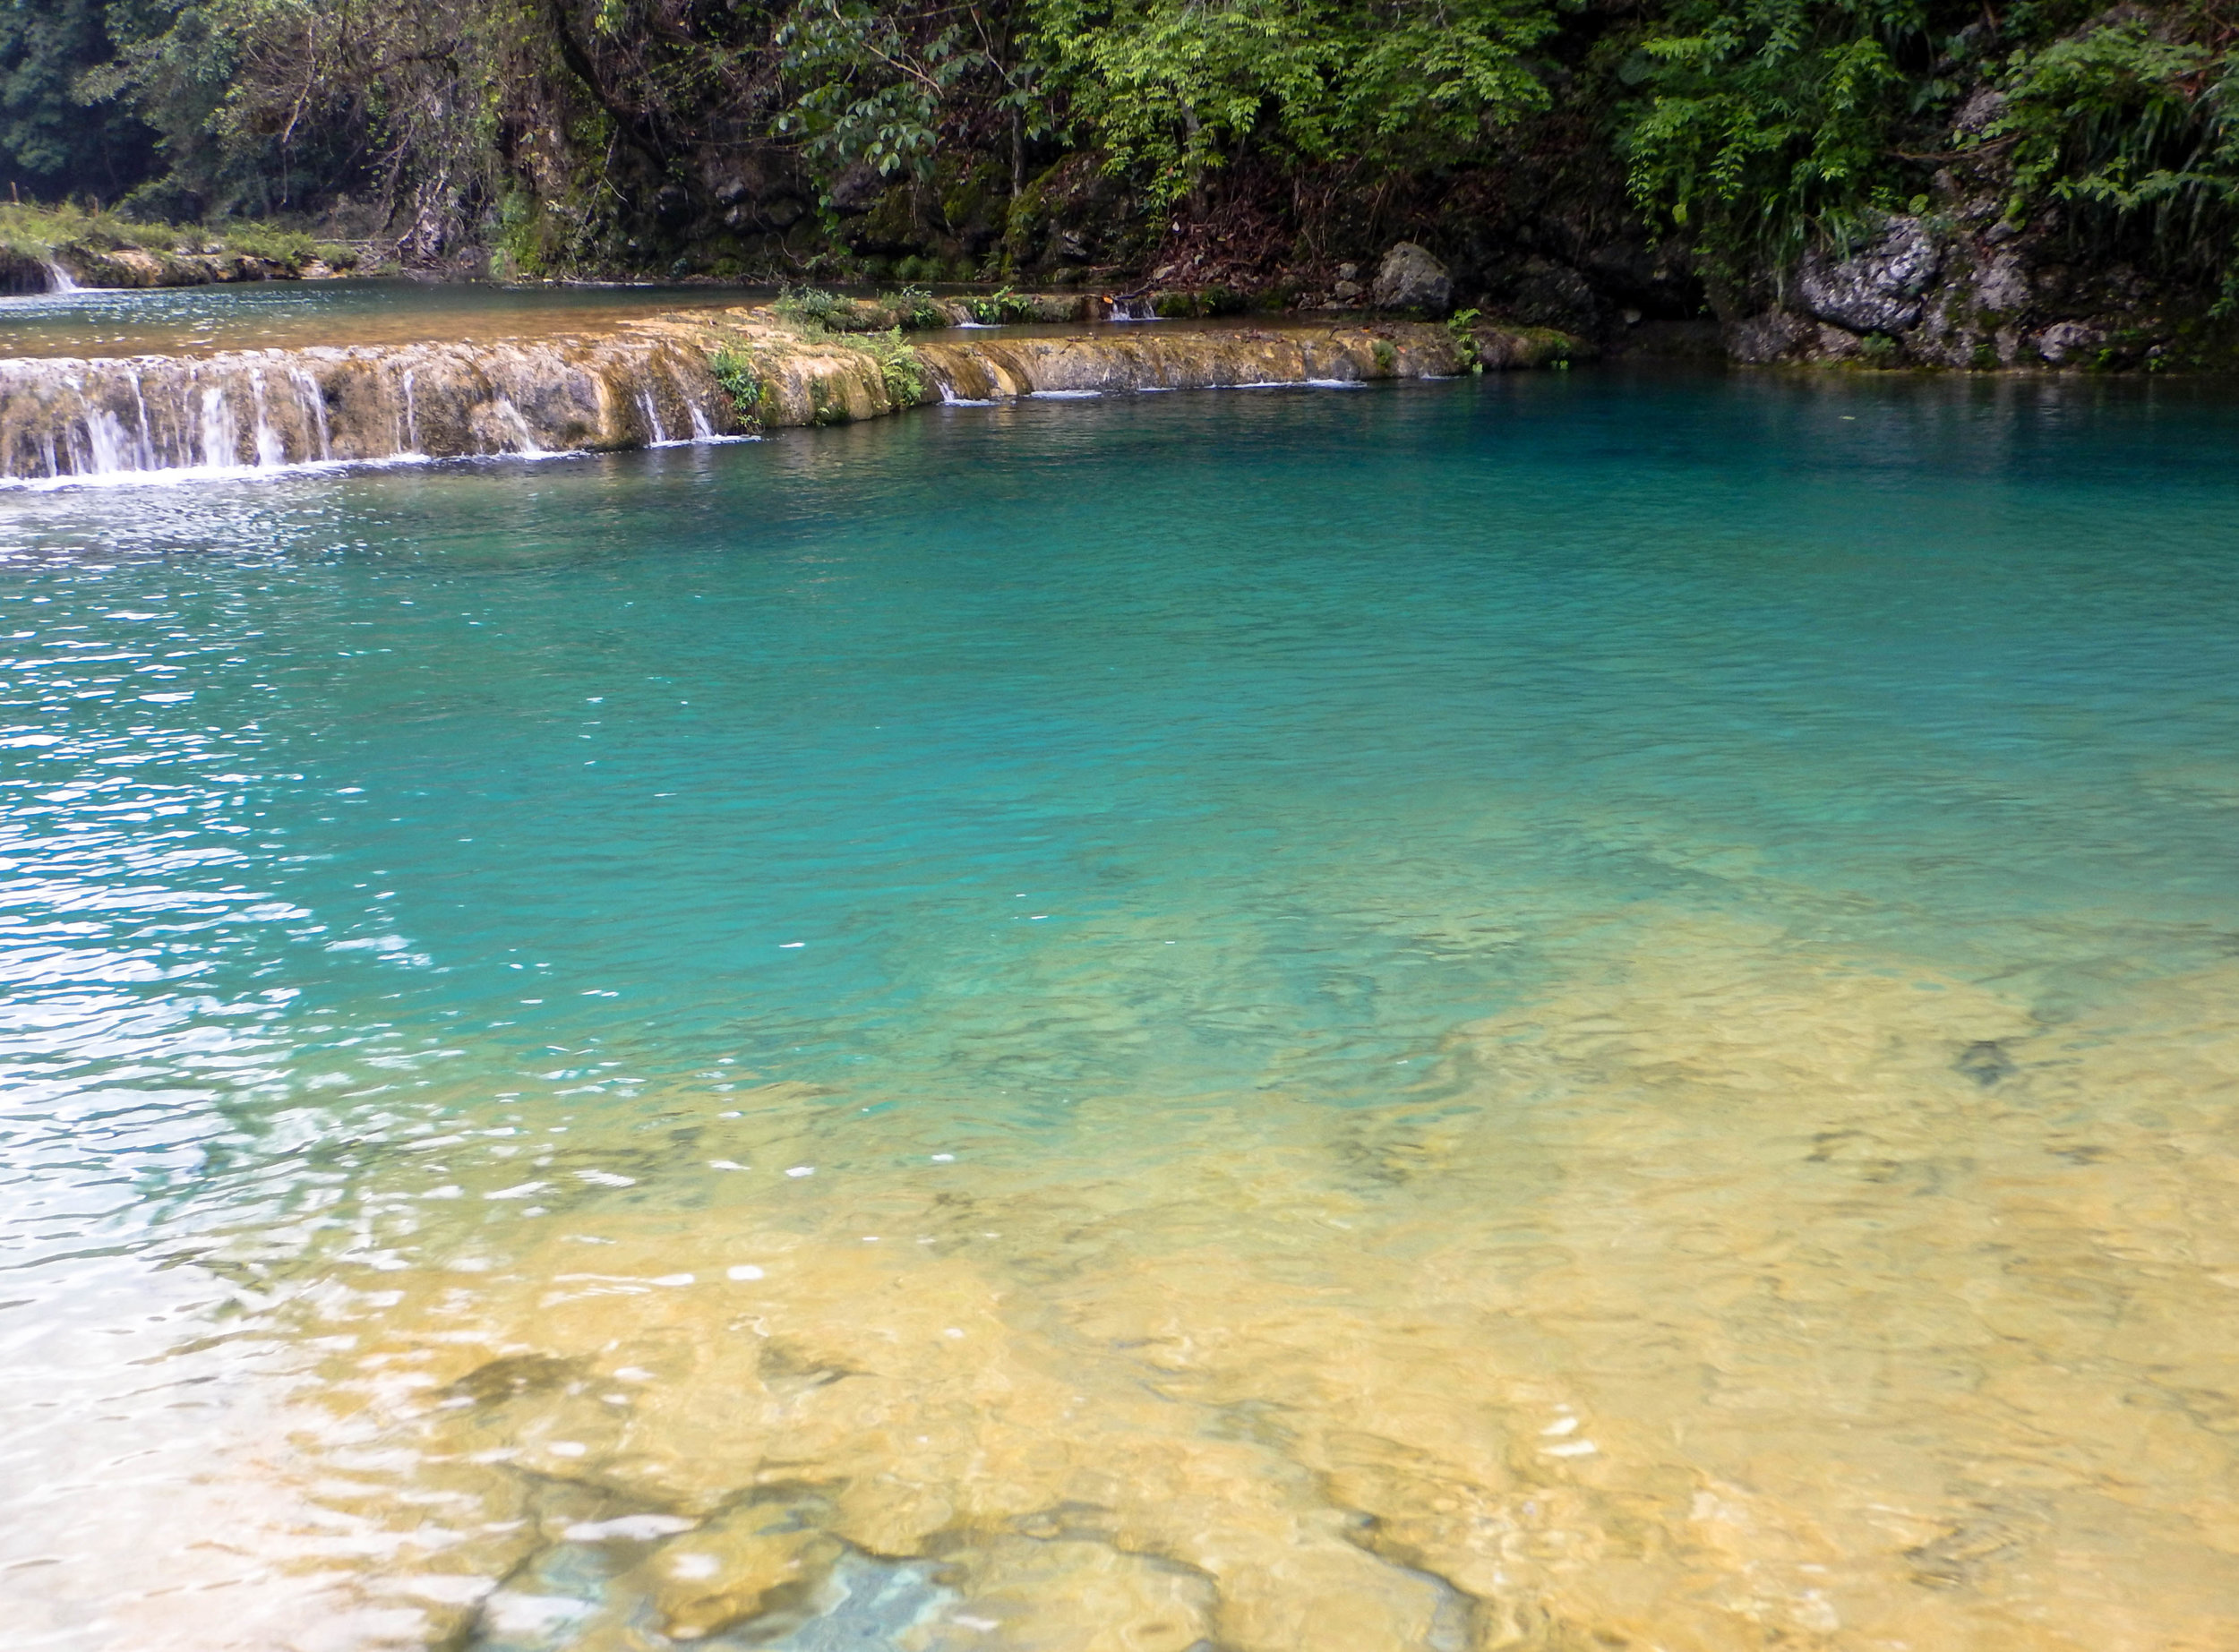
x: 1181, y: 747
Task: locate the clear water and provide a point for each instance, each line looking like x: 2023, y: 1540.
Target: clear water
x: 199, y: 320
x: 1565, y: 1011
x: 265, y: 315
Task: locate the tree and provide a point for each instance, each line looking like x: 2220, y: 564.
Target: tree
x: 1172, y: 90
x: 51, y: 145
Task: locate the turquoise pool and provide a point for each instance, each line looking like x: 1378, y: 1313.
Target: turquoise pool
x: 1573, y: 1004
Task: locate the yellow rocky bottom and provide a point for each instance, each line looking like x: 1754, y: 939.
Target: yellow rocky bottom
x: 1739, y: 1298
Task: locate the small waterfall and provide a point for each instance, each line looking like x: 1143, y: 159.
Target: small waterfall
x: 264, y: 411
x: 147, y: 438
x: 944, y: 383
x: 221, y: 431
x: 1133, y: 307
x: 58, y: 280
x: 271, y: 410
x: 270, y: 449
x: 109, y: 446
x: 314, y: 402
x: 516, y: 426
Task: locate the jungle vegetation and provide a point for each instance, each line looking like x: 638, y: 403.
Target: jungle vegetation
x: 638, y: 133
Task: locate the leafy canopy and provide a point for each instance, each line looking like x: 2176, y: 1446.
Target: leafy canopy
x: 1172, y: 90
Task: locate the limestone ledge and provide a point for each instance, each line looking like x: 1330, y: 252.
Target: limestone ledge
x: 649, y: 384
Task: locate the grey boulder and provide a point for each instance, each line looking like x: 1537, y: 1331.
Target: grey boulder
x: 1877, y: 288
x: 1410, y: 279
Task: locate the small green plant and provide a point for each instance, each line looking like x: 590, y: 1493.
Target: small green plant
x: 1460, y: 326
x: 900, y: 364
x: 1001, y: 306
x: 734, y: 371
x: 913, y: 307
x: 1386, y: 358
x: 1878, y: 349
x: 812, y: 309
x: 990, y: 309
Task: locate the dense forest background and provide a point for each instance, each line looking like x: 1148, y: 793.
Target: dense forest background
x: 1568, y: 157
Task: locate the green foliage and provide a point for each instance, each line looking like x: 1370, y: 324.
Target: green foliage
x: 812, y: 309
x: 1462, y: 328
x: 263, y: 107
x: 815, y: 312
x: 1761, y: 119
x: 1174, y: 90
x: 873, y: 84
x: 50, y: 144
x: 864, y: 94
x: 913, y: 307
x: 573, y: 134
x: 1754, y: 124
x: 288, y: 247
x: 999, y: 306
x: 900, y: 364
x: 39, y: 231
x: 2133, y: 131
x: 525, y: 249
x: 734, y: 371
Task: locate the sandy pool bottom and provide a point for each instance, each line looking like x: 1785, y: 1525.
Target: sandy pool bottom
x: 1736, y: 1296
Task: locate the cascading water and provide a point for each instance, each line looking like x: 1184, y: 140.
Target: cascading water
x: 270, y: 450
x: 314, y: 402
x: 58, y: 280
x: 221, y: 432
x: 510, y: 420
x: 264, y: 410
x: 147, y: 440
x: 108, y: 445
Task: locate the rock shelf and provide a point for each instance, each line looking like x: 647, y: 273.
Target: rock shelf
x: 649, y: 384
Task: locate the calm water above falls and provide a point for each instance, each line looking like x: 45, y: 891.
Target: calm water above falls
x: 264, y: 315
x: 1555, y: 1012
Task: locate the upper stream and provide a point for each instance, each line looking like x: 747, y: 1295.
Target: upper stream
x: 292, y: 315
x: 1566, y: 1011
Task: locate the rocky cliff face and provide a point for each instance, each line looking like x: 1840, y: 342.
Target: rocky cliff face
x: 1969, y: 290
x: 1973, y: 282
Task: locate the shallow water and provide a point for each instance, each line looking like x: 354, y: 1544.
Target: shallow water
x: 262, y: 315
x: 201, y: 321
x: 1568, y: 1011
